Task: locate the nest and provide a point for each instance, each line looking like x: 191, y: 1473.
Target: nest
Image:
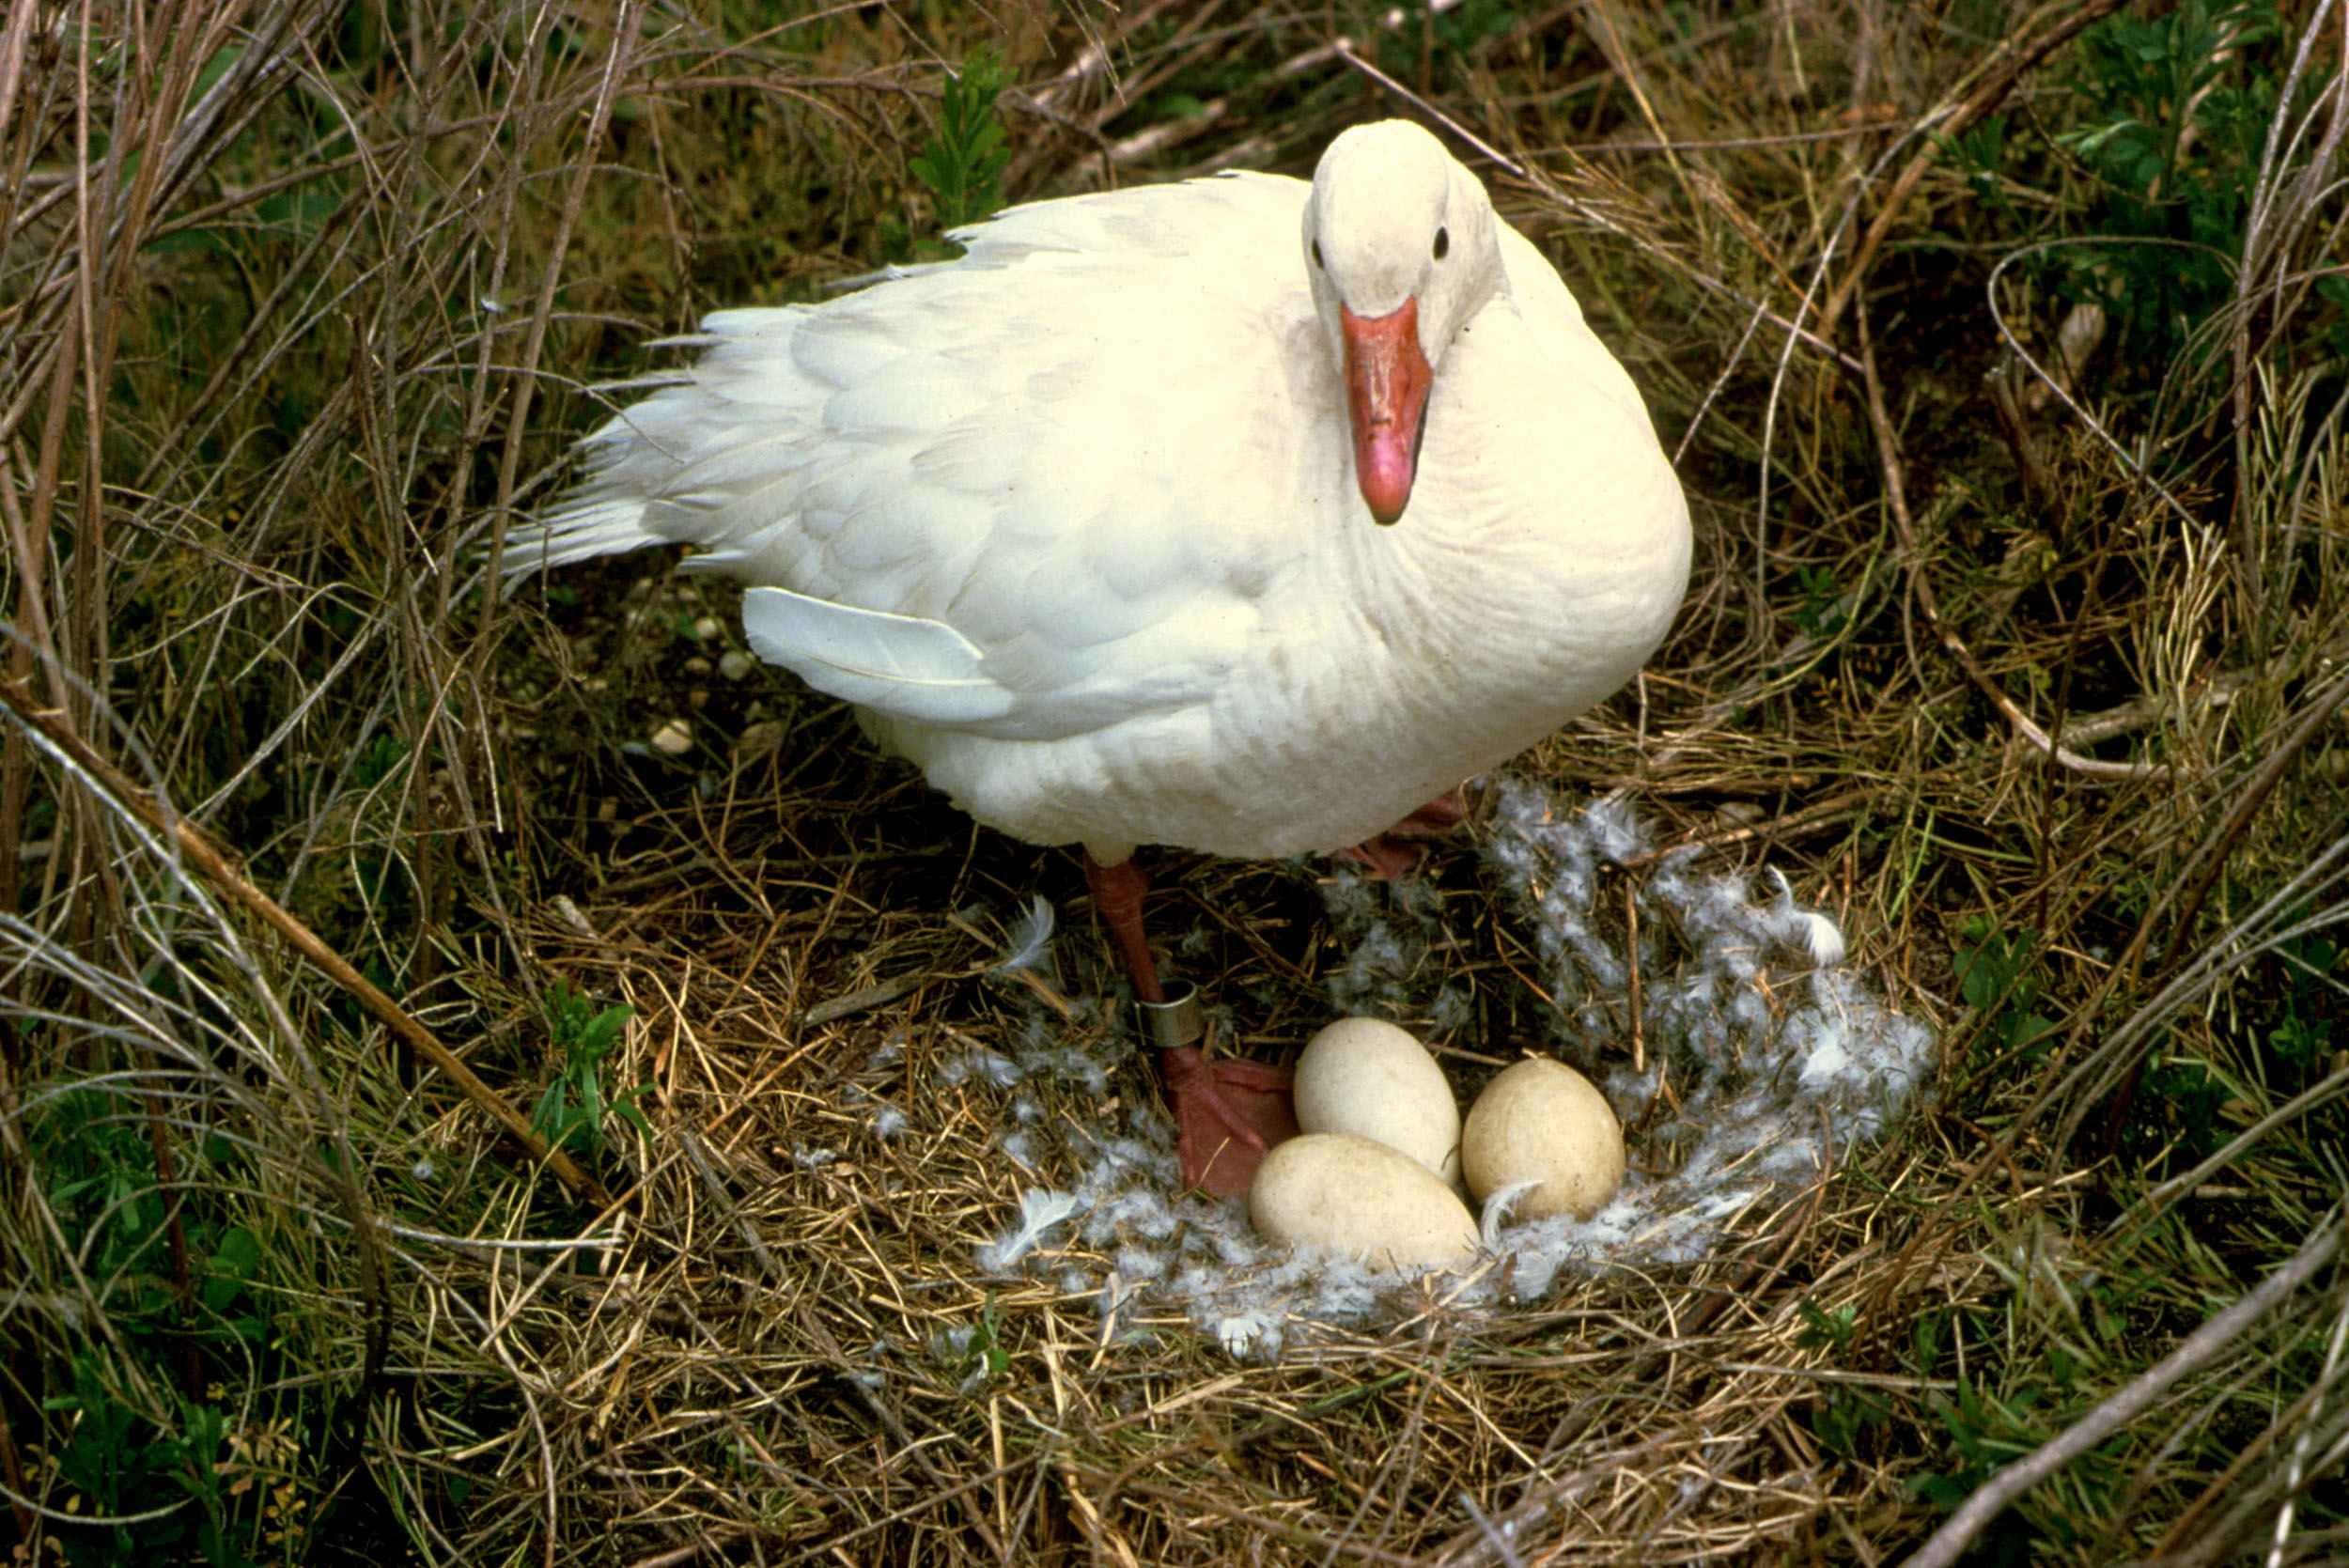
x: 917, y: 1271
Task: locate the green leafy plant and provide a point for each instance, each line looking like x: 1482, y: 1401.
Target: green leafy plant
x: 130, y: 1443
x: 118, y: 1461
x: 379, y: 761
x: 2302, y: 1031
x: 1843, y: 1416
x: 1846, y: 1418
x: 963, y: 165
x: 573, y: 1110
x: 91, y: 1147
x: 1928, y: 1336
x: 1997, y: 973
x: 2178, y: 1110
x: 2176, y: 106
x: 1823, y: 1329
x: 1820, y: 612
x: 1978, y: 155
x: 1448, y: 35
x: 984, y: 1356
x: 1987, y: 1433
x: 228, y: 1278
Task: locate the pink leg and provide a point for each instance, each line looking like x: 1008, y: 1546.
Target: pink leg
x: 1117, y: 892
x: 1228, y: 1111
x: 1398, y: 851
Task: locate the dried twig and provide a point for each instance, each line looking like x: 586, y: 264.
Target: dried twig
x: 1896, y: 497
x: 1947, y: 1544
x: 224, y: 874
x: 2007, y: 67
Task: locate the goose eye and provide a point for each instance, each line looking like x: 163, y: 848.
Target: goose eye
x: 1443, y: 242
x: 1317, y: 253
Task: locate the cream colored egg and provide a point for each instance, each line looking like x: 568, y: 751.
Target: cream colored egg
x: 1368, y: 1077
x: 1333, y: 1192
x: 1541, y: 1120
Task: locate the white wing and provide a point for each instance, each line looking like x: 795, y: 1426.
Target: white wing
x: 993, y: 495
x: 901, y: 664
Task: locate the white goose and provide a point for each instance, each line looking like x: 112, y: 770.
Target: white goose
x: 1136, y: 525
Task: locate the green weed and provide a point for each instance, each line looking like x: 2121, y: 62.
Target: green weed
x: 2301, y: 1031
x: 1928, y: 1336
x: 2334, y: 292
x: 1847, y: 1419
x: 1449, y: 35
x: 1985, y: 1433
x: 1997, y: 973
x: 116, y: 1463
x: 379, y: 761
x: 132, y: 1443
x: 963, y: 165
x: 1843, y: 1416
x: 1978, y: 155
x: 573, y: 1110
x: 984, y: 1356
x: 1823, y: 1329
x: 2175, y: 107
x: 1821, y: 612
x: 2177, y: 1111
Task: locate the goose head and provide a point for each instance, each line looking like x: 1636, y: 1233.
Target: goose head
x: 1402, y: 249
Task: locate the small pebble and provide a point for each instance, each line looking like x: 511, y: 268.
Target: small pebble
x: 674, y: 738
x: 733, y: 664
x: 756, y: 739
x: 698, y: 665
x: 707, y: 628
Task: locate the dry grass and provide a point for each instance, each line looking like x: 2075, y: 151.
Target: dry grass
x: 2032, y: 672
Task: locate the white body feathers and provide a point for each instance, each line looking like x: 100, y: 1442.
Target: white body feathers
x: 1072, y: 520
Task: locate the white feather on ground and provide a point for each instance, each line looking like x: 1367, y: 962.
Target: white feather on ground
x: 1769, y: 1097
